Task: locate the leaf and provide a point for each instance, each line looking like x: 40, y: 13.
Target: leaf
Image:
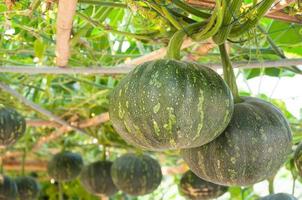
x: 286, y: 34
x: 251, y: 73
x: 39, y: 48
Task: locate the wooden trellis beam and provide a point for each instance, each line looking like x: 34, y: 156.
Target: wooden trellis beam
x: 41, y: 166
x: 66, y: 11
x: 126, y: 68
x: 274, y: 13
x: 102, y: 118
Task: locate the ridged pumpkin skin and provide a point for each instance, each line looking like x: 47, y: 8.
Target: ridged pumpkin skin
x: 167, y: 104
x: 96, y: 178
x: 194, y: 188
x: 252, y: 148
x: 65, y: 166
x: 28, y: 188
x: 8, y: 188
x: 136, y: 174
x: 279, y: 196
x: 12, y: 126
x: 298, y: 159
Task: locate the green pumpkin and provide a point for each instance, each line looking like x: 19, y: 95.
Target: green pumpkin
x: 65, y: 166
x: 96, y: 179
x: 28, y: 188
x: 168, y: 104
x: 252, y: 148
x: 298, y: 158
x: 136, y: 174
x: 12, y: 126
x: 8, y: 188
x: 279, y: 196
x: 194, y: 188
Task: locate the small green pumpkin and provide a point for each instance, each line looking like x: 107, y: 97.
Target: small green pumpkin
x: 279, y: 196
x: 136, y: 174
x: 28, y: 188
x: 168, y: 104
x: 65, y: 166
x: 252, y: 148
x: 8, y: 188
x: 96, y: 179
x: 194, y: 188
x: 12, y: 126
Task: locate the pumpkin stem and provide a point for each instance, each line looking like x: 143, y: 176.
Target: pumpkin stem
x: 60, y: 190
x: 294, y: 186
x: 176, y: 41
x: 1, y: 164
x: 271, y: 185
x: 23, y: 162
x: 104, y: 153
x: 175, y: 45
x: 228, y: 73
x: 2, y: 151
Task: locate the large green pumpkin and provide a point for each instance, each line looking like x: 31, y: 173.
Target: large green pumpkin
x: 252, y: 148
x: 194, y: 188
x: 298, y: 158
x: 12, y: 126
x: 136, y: 174
x: 96, y: 178
x: 65, y: 166
x: 8, y: 188
x: 28, y: 188
x: 279, y: 196
x: 167, y: 104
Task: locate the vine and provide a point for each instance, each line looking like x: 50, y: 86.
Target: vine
x: 250, y: 23
x: 227, y: 24
x: 228, y: 73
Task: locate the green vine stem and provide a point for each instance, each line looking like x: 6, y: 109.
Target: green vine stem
x: 210, y: 28
x: 33, y: 6
x: 174, y: 46
x: 1, y: 165
x: 60, y: 190
x: 147, y: 36
x: 191, y: 9
x: 228, y: 73
x: 252, y: 21
x: 171, y: 18
x: 104, y: 156
x: 226, y: 26
x: 294, y: 186
x: 100, y: 14
x: 277, y: 50
x: 176, y: 41
x: 271, y: 188
x: 23, y: 162
x: 215, y: 22
x: 2, y: 151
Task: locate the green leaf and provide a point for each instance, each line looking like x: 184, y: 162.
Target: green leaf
x: 39, y: 48
x: 286, y: 34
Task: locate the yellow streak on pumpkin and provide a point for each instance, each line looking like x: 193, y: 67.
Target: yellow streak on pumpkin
x: 156, y: 108
x: 200, y: 110
x: 127, y: 127
x: 121, y: 112
x: 156, y: 128
x: 171, y: 121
